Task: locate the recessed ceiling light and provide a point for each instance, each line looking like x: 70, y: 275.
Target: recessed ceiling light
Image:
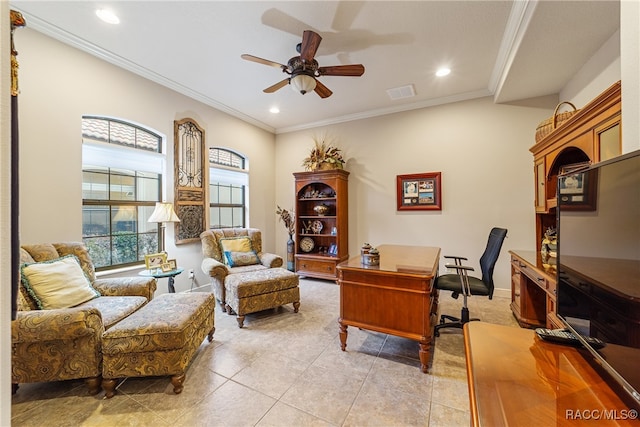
x: 274, y: 110
x: 107, y: 16
x: 443, y: 72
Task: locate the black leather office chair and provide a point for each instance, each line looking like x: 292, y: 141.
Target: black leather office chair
x: 462, y: 283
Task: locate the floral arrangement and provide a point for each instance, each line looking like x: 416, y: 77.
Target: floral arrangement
x: 323, y: 156
x: 288, y: 218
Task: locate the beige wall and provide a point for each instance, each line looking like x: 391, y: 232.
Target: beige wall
x: 480, y: 148
x: 59, y: 85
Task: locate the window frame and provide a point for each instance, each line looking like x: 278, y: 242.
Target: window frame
x: 103, y: 148
x: 236, y: 171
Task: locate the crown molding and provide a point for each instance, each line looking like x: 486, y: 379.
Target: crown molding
x: 67, y: 38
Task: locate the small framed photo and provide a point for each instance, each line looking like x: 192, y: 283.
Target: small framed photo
x: 577, y: 189
x: 419, y: 191
x: 172, y: 263
x: 153, y: 261
x: 166, y: 267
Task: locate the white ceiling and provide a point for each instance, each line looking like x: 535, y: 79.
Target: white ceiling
x: 512, y: 50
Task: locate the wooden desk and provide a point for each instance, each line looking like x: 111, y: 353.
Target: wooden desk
x: 396, y: 297
x: 515, y: 379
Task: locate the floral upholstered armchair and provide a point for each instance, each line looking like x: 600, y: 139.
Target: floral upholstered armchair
x: 218, y: 263
x: 54, y: 336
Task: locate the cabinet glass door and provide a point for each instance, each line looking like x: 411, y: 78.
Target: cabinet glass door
x: 541, y: 194
x: 608, y: 140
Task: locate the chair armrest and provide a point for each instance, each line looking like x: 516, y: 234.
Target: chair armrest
x: 459, y: 267
x: 58, y: 324
x: 214, y: 268
x: 270, y: 260
x: 455, y: 257
x: 127, y: 286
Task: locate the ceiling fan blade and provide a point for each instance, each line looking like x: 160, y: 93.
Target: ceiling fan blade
x: 342, y: 70
x: 276, y: 86
x: 262, y: 61
x: 322, y: 90
x: 310, y: 42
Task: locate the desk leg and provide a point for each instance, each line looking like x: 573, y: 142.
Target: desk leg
x: 425, y: 353
x: 172, y: 288
x: 343, y: 336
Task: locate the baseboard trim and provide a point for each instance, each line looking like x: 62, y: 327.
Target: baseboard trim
x: 502, y: 293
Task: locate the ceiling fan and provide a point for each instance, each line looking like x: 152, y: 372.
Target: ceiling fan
x: 304, y: 69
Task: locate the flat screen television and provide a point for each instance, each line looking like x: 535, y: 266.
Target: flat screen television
x: 598, y: 264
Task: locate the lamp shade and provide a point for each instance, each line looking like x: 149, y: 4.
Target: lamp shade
x: 303, y: 83
x: 164, y: 213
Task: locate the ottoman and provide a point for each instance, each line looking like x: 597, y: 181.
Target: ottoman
x: 260, y: 290
x: 159, y: 339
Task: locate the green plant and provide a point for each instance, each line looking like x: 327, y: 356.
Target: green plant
x: 323, y: 155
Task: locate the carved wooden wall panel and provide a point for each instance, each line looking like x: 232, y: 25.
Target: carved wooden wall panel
x: 190, y: 180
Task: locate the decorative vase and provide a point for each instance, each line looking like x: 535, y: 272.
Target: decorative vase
x: 321, y: 209
x: 290, y: 252
x: 327, y: 166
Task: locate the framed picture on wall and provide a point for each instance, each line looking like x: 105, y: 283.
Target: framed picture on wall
x: 421, y: 191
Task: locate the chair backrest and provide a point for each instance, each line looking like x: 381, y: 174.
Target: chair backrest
x: 211, y: 240
x: 490, y: 256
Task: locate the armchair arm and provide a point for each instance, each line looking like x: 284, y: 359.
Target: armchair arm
x: 127, y: 286
x: 214, y: 268
x: 270, y: 260
x: 58, y: 324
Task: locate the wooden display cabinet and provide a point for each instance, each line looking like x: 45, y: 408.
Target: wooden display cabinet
x: 322, y: 237
x: 589, y: 136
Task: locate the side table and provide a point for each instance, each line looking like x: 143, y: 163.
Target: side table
x: 159, y: 274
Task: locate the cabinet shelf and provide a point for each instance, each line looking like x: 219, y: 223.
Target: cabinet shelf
x: 315, y: 199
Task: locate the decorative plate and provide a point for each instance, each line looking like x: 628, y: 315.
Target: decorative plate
x: 307, y: 244
x: 316, y: 226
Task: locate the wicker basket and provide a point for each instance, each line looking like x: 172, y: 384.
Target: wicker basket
x: 547, y: 126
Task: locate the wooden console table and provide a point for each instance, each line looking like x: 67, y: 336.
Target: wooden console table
x: 396, y: 297
x: 515, y: 379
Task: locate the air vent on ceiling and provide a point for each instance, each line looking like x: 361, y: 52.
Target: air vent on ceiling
x: 401, y: 92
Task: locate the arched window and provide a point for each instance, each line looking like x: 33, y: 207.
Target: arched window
x: 228, y: 188
x: 122, y: 166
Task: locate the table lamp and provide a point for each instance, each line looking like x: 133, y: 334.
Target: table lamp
x: 162, y: 214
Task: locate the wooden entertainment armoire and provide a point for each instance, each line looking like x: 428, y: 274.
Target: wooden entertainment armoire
x: 593, y: 134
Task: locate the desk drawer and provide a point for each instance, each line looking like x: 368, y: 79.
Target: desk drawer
x: 532, y: 274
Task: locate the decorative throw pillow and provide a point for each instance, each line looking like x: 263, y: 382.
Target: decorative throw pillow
x: 237, y: 259
x: 58, y: 283
x: 234, y: 244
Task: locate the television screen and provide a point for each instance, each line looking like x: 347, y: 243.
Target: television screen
x: 599, y: 262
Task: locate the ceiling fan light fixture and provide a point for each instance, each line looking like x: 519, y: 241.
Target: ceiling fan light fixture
x: 302, y: 83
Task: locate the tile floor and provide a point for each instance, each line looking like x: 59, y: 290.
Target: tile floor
x: 284, y: 369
